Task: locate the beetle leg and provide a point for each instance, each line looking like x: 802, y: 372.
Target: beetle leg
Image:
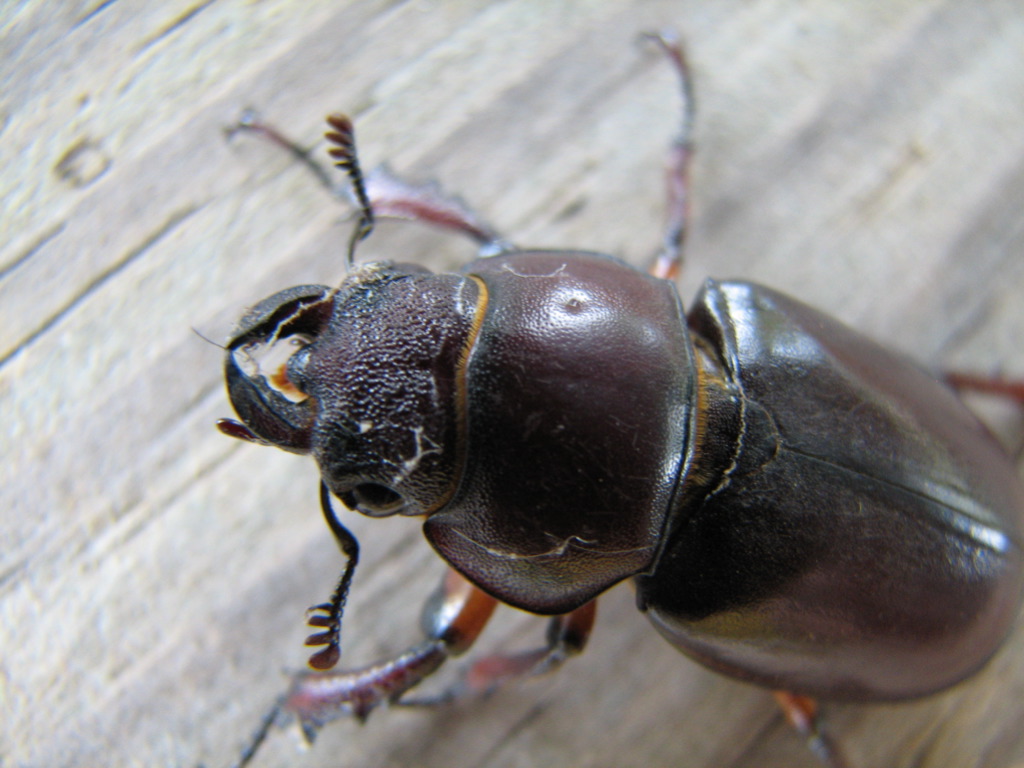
x: 453, y: 619
x: 802, y: 713
x: 388, y: 195
x: 669, y: 261
x: 427, y: 203
x: 1012, y: 389
x: 251, y: 121
x: 995, y: 386
x: 567, y: 635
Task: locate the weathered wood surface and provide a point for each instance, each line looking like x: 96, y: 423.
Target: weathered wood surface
x: 866, y: 157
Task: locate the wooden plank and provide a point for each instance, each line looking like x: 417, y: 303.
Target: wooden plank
x: 868, y: 158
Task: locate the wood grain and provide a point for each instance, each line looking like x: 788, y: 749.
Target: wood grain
x: 866, y: 157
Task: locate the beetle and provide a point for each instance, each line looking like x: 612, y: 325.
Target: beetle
x: 788, y: 496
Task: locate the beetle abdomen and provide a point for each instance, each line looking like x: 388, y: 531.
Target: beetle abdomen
x: 866, y: 542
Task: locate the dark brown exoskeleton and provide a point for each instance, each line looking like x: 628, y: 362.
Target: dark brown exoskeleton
x: 798, y: 506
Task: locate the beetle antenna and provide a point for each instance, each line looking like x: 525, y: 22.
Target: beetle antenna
x: 328, y: 615
x: 208, y: 340
x: 343, y: 137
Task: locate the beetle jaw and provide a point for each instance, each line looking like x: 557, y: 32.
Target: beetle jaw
x: 263, y: 368
x: 273, y: 409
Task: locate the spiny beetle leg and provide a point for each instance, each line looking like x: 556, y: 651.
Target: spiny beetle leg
x: 396, y: 198
x: 251, y: 121
x: 316, y: 698
x: 1012, y: 389
x: 567, y: 635
x: 388, y: 195
x: 668, y: 263
x: 995, y: 386
x: 453, y: 619
x: 803, y: 714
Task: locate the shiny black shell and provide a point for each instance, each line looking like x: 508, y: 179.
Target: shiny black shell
x: 580, y: 390
x: 861, y: 537
x: 800, y: 507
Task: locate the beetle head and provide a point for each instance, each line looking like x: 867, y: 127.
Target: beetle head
x: 365, y: 377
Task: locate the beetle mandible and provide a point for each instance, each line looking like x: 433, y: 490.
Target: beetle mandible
x: 788, y: 496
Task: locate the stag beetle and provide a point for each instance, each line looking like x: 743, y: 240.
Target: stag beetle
x: 797, y: 506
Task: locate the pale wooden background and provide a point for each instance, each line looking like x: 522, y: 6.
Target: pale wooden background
x: 867, y: 157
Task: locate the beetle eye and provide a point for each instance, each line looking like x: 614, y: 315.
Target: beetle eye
x: 270, y: 360
x: 374, y: 500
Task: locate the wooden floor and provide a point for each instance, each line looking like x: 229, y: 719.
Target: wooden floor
x: 866, y: 157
